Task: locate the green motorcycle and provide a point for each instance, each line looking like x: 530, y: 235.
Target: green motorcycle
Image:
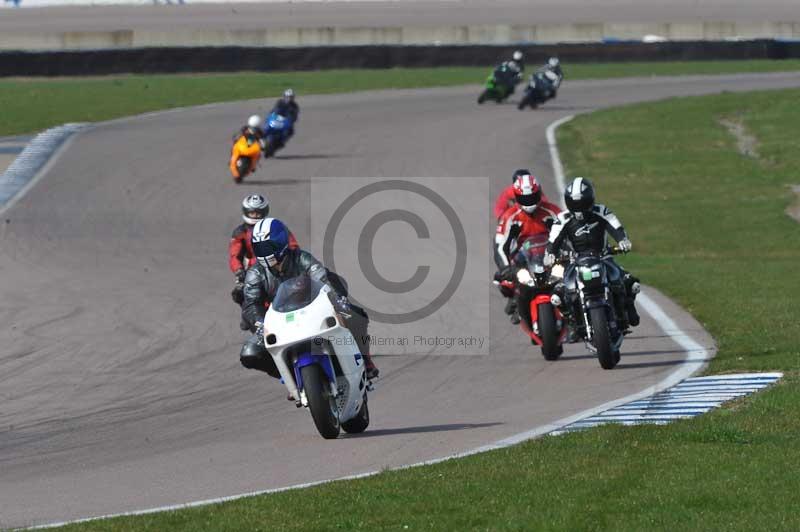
x: 499, y: 85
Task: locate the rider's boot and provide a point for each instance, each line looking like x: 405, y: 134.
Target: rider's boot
x: 515, y: 319
x: 511, y: 306
x: 632, y: 287
x: 573, y: 334
x: 633, y: 315
x: 372, y: 369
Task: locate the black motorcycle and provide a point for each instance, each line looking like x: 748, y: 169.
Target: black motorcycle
x: 595, y: 295
x: 542, y: 86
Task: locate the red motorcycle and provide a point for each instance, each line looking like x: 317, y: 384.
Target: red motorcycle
x: 534, y: 286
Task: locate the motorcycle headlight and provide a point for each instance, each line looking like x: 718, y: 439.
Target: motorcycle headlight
x: 524, y: 277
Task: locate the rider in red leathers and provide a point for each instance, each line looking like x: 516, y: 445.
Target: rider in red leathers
x: 255, y: 207
x: 507, y: 197
x: 532, y: 215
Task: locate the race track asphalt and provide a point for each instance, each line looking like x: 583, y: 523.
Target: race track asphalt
x: 119, y: 375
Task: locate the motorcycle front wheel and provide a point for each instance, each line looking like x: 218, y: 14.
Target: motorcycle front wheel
x: 359, y: 423
x: 548, y: 332
x: 320, y: 401
x: 601, y: 338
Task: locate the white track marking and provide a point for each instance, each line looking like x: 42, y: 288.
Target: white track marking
x: 34, y: 162
x: 696, y: 358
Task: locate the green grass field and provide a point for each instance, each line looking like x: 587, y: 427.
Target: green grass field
x: 709, y: 229
x: 34, y: 104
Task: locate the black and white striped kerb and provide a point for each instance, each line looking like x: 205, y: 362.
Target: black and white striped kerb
x: 690, y: 398
x: 32, y: 159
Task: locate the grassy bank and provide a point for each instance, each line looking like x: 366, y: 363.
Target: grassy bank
x: 709, y: 229
x: 35, y: 104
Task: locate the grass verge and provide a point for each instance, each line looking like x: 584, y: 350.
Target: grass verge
x: 34, y: 104
x: 710, y: 230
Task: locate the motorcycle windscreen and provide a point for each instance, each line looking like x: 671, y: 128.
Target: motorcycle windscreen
x: 533, y: 248
x: 276, y: 121
x: 296, y: 293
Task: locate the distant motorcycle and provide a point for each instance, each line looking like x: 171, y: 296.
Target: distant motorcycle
x: 542, y: 86
x: 599, y: 304
x: 499, y: 85
x: 276, y: 133
x: 317, y: 356
x: 245, y: 154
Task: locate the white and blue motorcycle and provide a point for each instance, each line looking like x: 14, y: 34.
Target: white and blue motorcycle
x: 317, y: 356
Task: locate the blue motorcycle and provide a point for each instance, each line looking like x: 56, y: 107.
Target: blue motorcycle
x: 277, y: 131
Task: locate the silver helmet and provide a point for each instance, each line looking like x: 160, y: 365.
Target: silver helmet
x: 255, y: 207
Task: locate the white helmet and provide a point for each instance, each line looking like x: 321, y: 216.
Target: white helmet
x: 517, y: 56
x: 255, y: 207
x: 553, y: 62
x: 254, y: 121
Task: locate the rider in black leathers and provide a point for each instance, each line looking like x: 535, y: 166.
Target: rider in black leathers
x: 287, y: 107
x: 262, y: 281
x: 584, y: 227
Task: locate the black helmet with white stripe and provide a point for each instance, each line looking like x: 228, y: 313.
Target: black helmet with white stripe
x: 255, y: 207
x: 579, y: 195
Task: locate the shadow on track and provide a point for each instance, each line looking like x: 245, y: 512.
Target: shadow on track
x: 423, y: 429
x: 624, y: 354
x: 265, y: 182
x: 623, y: 365
x: 309, y: 156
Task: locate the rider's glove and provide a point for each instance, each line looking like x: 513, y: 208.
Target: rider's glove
x: 548, y: 260
x: 342, y: 305
x: 239, y: 275
x: 237, y: 294
x: 506, y: 274
x: 624, y: 245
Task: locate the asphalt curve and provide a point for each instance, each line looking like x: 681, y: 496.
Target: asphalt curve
x: 119, y: 377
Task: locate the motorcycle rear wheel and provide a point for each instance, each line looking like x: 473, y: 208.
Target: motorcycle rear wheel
x: 482, y: 97
x: 320, y: 401
x: 601, y: 338
x: 548, y: 332
x: 359, y: 423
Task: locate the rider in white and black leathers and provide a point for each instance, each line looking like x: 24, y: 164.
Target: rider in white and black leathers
x: 585, y: 226
x: 275, y: 263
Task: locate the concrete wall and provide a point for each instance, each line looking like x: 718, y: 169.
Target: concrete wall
x: 389, y: 35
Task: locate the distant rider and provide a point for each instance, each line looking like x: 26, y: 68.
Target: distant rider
x: 275, y: 263
x: 554, y: 65
x: 532, y: 215
x: 252, y: 129
x: 286, y: 106
x: 255, y: 207
x: 584, y: 227
x: 509, y: 73
x: 517, y: 63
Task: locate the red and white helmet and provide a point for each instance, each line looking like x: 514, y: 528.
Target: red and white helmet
x: 527, y: 192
